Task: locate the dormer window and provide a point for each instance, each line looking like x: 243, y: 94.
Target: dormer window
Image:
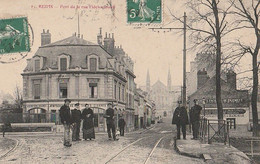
x: 63, y: 64
x: 93, y: 64
x: 37, y: 65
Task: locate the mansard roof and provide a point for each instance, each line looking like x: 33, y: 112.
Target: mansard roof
x: 78, y: 49
x: 70, y: 41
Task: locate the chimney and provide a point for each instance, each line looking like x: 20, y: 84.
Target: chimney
x: 99, y: 37
x: 45, y: 37
x: 109, y: 44
x: 232, y: 79
x: 202, y: 78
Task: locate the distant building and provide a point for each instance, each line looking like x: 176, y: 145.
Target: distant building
x: 82, y: 71
x: 164, y: 97
x: 235, y: 102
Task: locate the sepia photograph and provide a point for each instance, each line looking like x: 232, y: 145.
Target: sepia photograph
x: 129, y: 81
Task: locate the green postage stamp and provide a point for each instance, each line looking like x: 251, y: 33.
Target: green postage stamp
x: 14, y: 35
x: 144, y: 11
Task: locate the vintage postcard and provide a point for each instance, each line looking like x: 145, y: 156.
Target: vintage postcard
x: 129, y: 81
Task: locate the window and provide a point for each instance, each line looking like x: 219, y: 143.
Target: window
x: 63, y: 64
x: 119, y: 95
x: 93, y: 90
x: 63, y: 90
x: 115, y: 89
x: 93, y: 64
x: 232, y: 123
x: 123, y: 93
x: 37, y: 91
x: 37, y: 65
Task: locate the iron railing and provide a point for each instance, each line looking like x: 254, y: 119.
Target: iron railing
x: 213, y: 130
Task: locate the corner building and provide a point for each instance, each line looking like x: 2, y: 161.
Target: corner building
x: 80, y: 70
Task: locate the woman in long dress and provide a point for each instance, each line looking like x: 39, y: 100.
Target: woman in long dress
x: 88, y: 123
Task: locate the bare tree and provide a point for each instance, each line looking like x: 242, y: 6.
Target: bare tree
x: 208, y: 24
x: 247, y: 16
x: 18, y: 102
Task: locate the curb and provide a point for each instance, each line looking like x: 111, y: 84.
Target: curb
x: 61, y: 133
x: 12, y: 149
x: 200, y: 156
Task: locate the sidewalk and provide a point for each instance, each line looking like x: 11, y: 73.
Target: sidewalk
x: 61, y: 133
x: 211, y: 153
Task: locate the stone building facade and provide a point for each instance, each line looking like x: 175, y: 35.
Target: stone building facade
x: 82, y: 71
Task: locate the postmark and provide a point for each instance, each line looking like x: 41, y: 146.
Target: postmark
x: 144, y: 11
x: 14, y: 39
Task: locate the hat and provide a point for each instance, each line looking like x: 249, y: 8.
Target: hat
x: 77, y: 104
x: 109, y: 103
x: 67, y: 100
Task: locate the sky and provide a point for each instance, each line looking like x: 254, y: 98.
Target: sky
x: 158, y: 52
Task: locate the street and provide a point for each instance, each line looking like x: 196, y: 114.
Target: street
x: 151, y: 146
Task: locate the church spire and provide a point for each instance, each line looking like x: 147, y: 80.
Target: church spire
x: 169, y: 81
x: 148, y: 82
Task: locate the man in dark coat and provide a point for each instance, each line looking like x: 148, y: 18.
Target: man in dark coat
x: 66, y: 120
x: 180, y: 118
x: 121, y: 124
x: 195, y: 119
x: 76, y: 118
x: 110, y: 122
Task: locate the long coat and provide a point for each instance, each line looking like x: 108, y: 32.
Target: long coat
x: 110, y: 116
x: 76, y: 115
x: 195, y: 113
x: 65, y: 114
x: 121, y: 123
x: 180, y: 116
x: 88, y: 123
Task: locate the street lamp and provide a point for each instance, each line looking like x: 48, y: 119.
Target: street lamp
x: 204, y: 109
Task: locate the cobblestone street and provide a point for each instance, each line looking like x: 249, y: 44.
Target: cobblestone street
x: 151, y: 146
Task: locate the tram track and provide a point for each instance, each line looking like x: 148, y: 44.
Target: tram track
x: 18, y: 143
x: 150, y: 153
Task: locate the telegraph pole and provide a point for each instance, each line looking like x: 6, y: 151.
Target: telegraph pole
x: 184, y: 101
x: 184, y: 61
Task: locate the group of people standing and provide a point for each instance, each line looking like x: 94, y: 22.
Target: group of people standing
x: 180, y: 118
x: 71, y: 119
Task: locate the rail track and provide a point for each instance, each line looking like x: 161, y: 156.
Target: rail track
x: 133, y: 143
x: 18, y: 143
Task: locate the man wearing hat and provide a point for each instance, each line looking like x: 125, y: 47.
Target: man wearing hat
x: 180, y: 118
x: 66, y: 120
x: 76, y: 118
x: 121, y: 124
x: 110, y: 122
x: 195, y: 118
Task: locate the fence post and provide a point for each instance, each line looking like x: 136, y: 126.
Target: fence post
x: 205, y: 129
x: 225, y: 132
x: 228, y: 139
x: 252, y: 149
x: 208, y: 133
